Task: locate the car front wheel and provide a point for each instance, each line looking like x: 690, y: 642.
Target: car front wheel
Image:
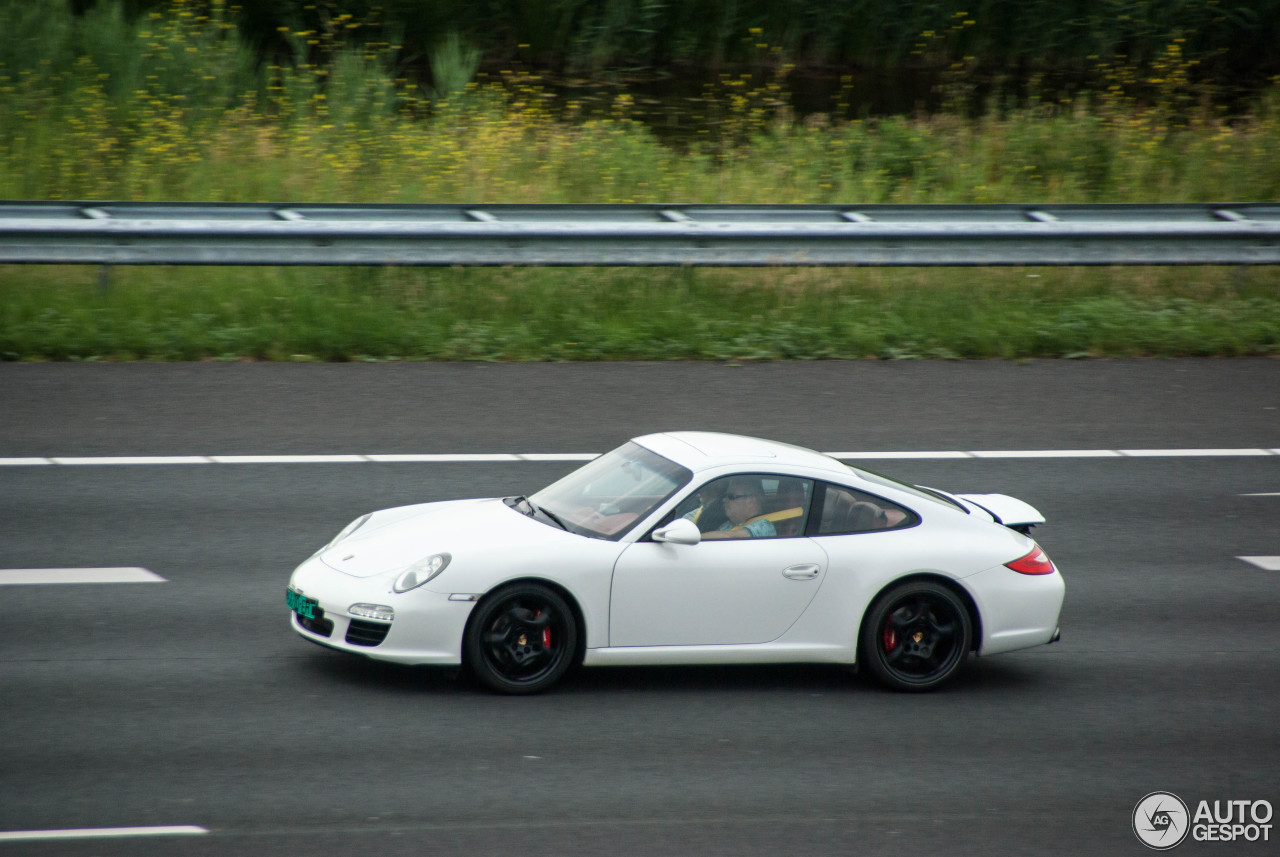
x: 522, y: 639
x: 916, y: 636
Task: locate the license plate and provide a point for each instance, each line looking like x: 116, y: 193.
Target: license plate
x: 300, y: 604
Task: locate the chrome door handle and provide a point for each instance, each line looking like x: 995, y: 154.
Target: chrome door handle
x: 808, y: 571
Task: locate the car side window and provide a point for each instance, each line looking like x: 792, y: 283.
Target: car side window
x: 845, y: 510
x: 756, y: 505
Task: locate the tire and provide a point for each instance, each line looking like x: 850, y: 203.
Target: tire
x: 916, y: 636
x: 521, y: 639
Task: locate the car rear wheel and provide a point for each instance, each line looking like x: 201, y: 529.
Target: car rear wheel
x: 916, y: 636
x: 522, y: 639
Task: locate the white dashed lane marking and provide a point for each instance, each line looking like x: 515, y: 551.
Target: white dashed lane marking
x: 1266, y: 563
x: 100, y: 833
x: 44, y: 576
x: 1196, y: 453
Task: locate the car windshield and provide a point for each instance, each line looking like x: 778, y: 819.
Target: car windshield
x: 604, y: 498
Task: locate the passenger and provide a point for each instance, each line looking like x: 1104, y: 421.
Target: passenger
x: 710, y: 515
x: 791, y: 505
x: 743, y: 501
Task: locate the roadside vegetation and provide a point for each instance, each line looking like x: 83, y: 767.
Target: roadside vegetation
x: 177, y: 104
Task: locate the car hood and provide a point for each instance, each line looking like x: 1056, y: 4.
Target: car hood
x: 394, y: 538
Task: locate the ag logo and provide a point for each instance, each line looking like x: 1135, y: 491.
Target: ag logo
x: 1161, y: 820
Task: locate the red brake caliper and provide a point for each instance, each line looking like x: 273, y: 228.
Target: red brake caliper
x: 890, y: 639
x: 546, y: 634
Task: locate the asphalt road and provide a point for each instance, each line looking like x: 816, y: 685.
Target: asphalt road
x: 192, y: 703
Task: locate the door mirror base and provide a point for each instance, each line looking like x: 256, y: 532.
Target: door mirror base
x: 681, y: 531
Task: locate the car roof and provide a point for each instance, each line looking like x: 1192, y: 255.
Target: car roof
x: 700, y: 450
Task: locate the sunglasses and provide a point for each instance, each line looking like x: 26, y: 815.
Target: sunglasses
x: 740, y: 496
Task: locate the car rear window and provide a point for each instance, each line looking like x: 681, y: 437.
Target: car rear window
x: 915, y: 490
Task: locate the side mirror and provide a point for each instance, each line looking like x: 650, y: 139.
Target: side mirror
x: 681, y: 531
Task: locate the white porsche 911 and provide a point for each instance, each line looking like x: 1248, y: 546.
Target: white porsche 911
x: 688, y: 548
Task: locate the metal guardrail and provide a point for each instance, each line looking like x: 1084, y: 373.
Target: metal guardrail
x: 129, y: 233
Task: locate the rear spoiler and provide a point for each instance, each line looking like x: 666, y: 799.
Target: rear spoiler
x: 1010, y: 511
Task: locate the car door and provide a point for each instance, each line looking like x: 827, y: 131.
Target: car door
x: 718, y: 592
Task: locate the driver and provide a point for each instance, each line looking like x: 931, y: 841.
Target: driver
x: 709, y: 515
x: 743, y: 500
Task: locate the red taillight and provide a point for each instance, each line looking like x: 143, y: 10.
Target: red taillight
x: 1036, y: 562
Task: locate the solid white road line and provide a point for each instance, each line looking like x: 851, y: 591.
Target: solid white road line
x: 885, y: 456
x: 551, y: 456
x: 1048, y: 453
x: 480, y: 457
x: 133, y: 459
x: 1266, y: 563
x: 287, y: 459
x: 101, y: 833
x: 464, y: 457
x: 43, y: 576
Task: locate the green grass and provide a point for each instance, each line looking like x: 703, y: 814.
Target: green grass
x: 634, y: 314
x: 173, y: 108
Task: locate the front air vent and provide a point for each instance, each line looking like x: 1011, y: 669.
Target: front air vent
x: 361, y: 633
x: 320, y: 626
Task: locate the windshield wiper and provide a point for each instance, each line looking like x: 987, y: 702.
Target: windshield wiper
x: 554, y: 519
x: 517, y: 502
x: 533, y: 511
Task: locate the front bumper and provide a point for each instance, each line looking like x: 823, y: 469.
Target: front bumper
x: 427, y: 628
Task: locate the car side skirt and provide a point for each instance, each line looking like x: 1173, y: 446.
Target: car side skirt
x: 766, y: 653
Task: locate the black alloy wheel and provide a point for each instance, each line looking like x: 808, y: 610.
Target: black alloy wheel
x: 521, y: 639
x: 916, y: 636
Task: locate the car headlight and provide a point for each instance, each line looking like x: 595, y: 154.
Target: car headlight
x: 421, y: 571
x: 348, y: 530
